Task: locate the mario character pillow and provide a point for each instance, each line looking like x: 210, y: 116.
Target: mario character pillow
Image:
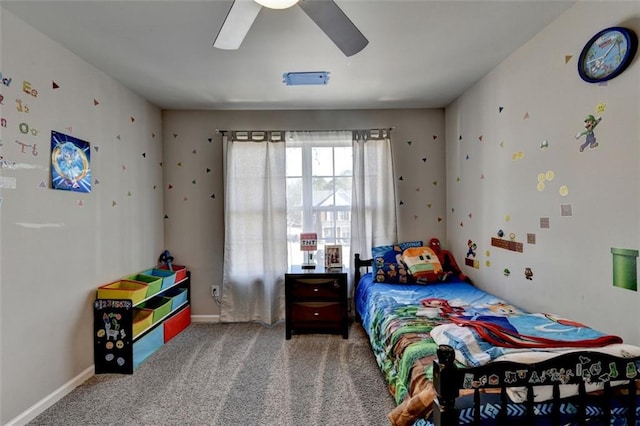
x: 422, y: 263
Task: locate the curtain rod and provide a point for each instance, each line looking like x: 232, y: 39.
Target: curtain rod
x: 317, y: 130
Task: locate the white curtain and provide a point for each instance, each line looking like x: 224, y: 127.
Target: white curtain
x: 255, y: 247
x: 373, y: 209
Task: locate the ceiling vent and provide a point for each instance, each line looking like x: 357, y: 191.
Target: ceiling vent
x: 305, y: 78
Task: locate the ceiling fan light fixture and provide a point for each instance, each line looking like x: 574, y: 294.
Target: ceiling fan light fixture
x: 277, y: 4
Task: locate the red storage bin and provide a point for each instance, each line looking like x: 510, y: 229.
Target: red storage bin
x: 177, y: 323
x: 181, y: 271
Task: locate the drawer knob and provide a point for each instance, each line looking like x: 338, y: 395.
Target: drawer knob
x: 316, y: 289
x: 316, y: 314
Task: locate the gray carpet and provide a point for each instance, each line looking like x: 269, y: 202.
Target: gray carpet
x: 238, y: 374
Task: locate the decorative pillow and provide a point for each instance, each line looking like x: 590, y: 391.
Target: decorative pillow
x: 387, y: 266
x: 423, y: 264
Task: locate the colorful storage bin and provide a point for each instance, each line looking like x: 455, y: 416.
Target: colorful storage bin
x: 181, y: 271
x: 142, y: 319
x: 134, y: 290
x: 168, y: 277
x: 147, y: 345
x: 153, y: 283
x: 178, y: 297
x: 161, y: 306
x: 177, y: 323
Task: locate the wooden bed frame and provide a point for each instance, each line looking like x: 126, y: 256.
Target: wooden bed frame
x: 576, y: 368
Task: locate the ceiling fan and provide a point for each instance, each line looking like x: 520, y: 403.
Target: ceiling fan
x: 325, y: 13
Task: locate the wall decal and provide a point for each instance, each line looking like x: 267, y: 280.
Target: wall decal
x: 26, y: 88
x: 544, y: 223
x: 95, y: 102
x: 500, y: 109
x: 409, y: 142
x: 208, y: 170
x: 118, y: 137
x: 510, y: 245
x: 96, y: 148
x: 567, y: 58
x: 42, y: 184
x: 435, y: 137
x: 531, y: 238
x: 6, y: 81
x: 80, y: 203
x: 69, y: 129
x: 22, y: 107
x: 70, y: 163
x: 113, y: 203
x: 194, y: 152
x: 526, y: 116
x: 601, y: 107
x: 210, y: 140
x: 517, y: 156
x: 506, y: 272
x: 96, y: 182
x: 544, y: 145
x: 528, y: 273
x: 590, y: 123
x: 424, y: 159
x: 213, y: 195
x: 179, y: 163
x: 133, y: 119
x: 54, y: 85
x: 566, y: 210
x: 625, y: 268
x: 7, y: 182
x: 564, y: 190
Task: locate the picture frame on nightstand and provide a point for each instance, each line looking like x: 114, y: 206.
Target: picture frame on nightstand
x: 333, y: 256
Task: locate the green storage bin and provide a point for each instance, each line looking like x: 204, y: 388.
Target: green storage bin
x: 154, y: 284
x: 161, y: 306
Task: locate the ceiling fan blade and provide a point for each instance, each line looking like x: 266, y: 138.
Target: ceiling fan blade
x: 236, y: 24
x: 335, y: 24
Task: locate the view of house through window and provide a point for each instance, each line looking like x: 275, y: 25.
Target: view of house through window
x: 319, y: 175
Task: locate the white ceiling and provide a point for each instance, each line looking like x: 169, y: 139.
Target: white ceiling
x: 421, y: 53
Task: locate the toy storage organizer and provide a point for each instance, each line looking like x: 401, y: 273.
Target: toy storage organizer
x: 133, y: 317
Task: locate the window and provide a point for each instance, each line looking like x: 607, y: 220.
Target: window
x: 319, y: 170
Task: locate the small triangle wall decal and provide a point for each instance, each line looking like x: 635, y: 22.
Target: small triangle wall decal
x: 55, y: 85
x: 567, y: 58
x: 133, y: 119
x: 95, y: 102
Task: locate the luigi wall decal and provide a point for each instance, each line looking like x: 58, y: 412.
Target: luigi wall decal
x: 590, y: 123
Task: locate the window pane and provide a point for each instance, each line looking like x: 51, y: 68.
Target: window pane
x: 294, y: 161
x: 322, y: 161
x: 294, y: 193
x: 344, y: 161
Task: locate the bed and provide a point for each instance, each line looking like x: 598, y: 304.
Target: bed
x: 439, y: 378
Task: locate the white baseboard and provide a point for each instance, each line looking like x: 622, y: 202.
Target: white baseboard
x: 55, y: 396
x: 205, y: 318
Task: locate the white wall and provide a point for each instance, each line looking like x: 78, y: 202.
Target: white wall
x: 57, y: 247
x: 194, y: 228
x: 492, y: 183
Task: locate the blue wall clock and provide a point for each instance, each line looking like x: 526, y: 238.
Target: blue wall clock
x: 607, y: 54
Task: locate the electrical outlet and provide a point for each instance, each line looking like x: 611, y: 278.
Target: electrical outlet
x: 215, y: 290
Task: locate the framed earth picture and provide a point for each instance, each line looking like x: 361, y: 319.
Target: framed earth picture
x: 607, y: 54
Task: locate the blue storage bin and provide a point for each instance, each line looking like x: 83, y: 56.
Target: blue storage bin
x: 178, y: 297
x: 147, y: 345
x: 168, y: 277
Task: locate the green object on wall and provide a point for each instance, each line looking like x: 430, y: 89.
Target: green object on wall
x: 625, y: 268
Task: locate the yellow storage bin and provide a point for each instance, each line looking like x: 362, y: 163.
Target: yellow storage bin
x: 142, y: 319
x: 123, y: 289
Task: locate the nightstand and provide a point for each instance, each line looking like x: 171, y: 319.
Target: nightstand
x: 316, y: 301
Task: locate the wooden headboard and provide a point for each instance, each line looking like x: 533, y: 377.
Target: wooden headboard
x: 360, y: 266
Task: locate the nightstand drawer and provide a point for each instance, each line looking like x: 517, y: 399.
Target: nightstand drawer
x: 304, y: 312
x: 313, y: 288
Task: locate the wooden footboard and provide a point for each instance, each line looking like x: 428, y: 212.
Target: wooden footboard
x: 577, y: 368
